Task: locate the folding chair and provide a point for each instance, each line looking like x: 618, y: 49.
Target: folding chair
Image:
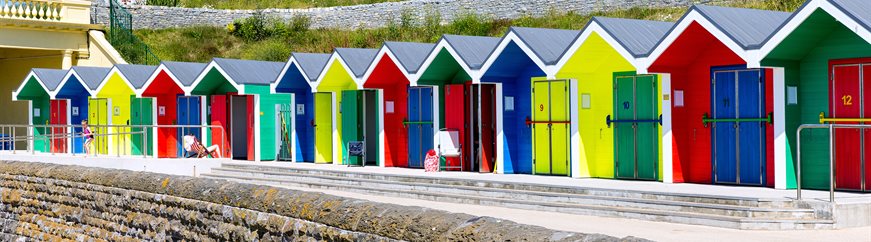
x: 356, y: 149
x: 449, y: 147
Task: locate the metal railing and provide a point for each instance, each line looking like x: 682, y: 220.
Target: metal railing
x: 122, y: 38
x: 831, y: 128
x: 49, y: 136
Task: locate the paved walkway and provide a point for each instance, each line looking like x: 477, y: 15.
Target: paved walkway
x: 762, y: 193
x: 184, y: 167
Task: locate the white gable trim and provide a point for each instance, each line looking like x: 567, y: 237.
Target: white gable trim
x: 336, y: 57
x: 694, y: 16
x: 154, y: 75
x: 71, y: 73
x: 213, y: 64
x: 109, y: 76
x: 26, y: 79
x: 550, y: 71
x: 594, y: 27
x: 385, y: 51
x: 443, y: 44
x: 800, y: 17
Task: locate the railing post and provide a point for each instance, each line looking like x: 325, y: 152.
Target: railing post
x: 798, y: 163
x: 831, y: 163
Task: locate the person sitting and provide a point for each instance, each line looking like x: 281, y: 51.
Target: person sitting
x: 193, y: 145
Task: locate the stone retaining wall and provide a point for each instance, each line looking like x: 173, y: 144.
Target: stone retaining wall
x: 52, y: 202
x: 376, y: 15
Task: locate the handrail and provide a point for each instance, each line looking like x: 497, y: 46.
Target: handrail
x: 608, y: 120
x: 705, y: 119
x: 46, y: 10
x: 831, y: 128
x: 54, y: 136
x: 530, y: 122
x: 824, y: 119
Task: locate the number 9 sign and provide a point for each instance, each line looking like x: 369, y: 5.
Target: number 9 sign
x: 541, y: 107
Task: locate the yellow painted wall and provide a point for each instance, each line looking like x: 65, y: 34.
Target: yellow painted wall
x: 335, y: 80
x: 593, y: 65
x: 118, y: 92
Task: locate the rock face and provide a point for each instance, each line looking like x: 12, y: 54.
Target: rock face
x: 55, y: 202
x: 373, y: 15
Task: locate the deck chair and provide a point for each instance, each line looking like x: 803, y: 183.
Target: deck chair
x: 449, y: 147
x: 193, y: 148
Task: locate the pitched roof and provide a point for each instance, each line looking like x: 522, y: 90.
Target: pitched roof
x: 137, y: 75
x: 548, y: 44
x: 91, y: 76
x: 637, y: 36
x: 409, y: 54
x: 311, y: 63
x: 747, y: 27
x: 859, y: 10
x: 358, y: 59
x: 51, y: 78
x: 473, y: 50
x: 186, y: 72
x: 250, y: 71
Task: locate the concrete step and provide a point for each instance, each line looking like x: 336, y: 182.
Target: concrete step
x: 581, y: 209
x: 549, y: 197
x: 520, y: 186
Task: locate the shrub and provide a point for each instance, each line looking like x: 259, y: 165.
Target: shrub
x: 252, y: 28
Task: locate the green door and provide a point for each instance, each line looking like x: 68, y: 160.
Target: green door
x: 351, y: 123
x: 324, y: 127
x: 141, y: 114
x: 551, y: 125
x: 636, y: 127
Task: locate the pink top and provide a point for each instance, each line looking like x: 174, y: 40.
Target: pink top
x: 87, y: 132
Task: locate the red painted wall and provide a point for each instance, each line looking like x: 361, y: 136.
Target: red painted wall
x: 58, y: 110
x: 388, y: 77
x: 689, y: 60
x: 218, y: 117
x: 165, y: 91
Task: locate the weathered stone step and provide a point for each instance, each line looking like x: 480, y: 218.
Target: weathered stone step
x: 594, y: 210
x: 625, y: 193
x: 663, y: 205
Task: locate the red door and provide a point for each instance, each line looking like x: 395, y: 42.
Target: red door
x: 59, y: 117
x: 252, y: 112
x: 488, y: 127
x: 455, y: 117
x: 846, y: 103
x: 219, y: 118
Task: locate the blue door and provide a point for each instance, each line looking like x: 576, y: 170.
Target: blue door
x: 419, y: 125
x: 188, y: 114
x: 738, y: 133
x: 78, y: 112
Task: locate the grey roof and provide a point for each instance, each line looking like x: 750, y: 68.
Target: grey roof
x: 357, y: 59
x: 859, y: 10
x: 637, y: 36
x: 186, y: 72
x: 474, y: 50
x: 250, y: 71
x: 91, y: 76
x: 548, y: 44
x: 747, y: 27
x: 51, y: 78
x: 311, y: 63
x: 409, y: 54
x: 137, y: 75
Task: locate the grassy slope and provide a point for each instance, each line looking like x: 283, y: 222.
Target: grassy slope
x: 200, y: 44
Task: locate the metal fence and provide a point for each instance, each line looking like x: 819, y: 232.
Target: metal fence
x: 122, y: 38
x: 831, y: 128
x: 53, y: 134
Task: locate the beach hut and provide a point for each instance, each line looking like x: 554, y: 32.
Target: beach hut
x: 300, y: 71
x: 821, y: 59
x: 449, y: 70
x: 720, y: 110
x: 406, y: 111
x: 118, y: 89
x: 241, y: 101
x: 166, y: 86
x: 343, y: 112
x: 619, y: 108
x: 36, y: 89
x: 78, y: 86
x: 526, y: 99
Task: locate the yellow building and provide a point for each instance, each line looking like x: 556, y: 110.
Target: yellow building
x: 46, y: 34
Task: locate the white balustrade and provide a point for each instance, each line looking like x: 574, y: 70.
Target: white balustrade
x: 75, y: 11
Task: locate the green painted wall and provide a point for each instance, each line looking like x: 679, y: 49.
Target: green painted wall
x: 444, y: 70
x: 805, y: 54
x: 267, y: 116
x: 39, y: 99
